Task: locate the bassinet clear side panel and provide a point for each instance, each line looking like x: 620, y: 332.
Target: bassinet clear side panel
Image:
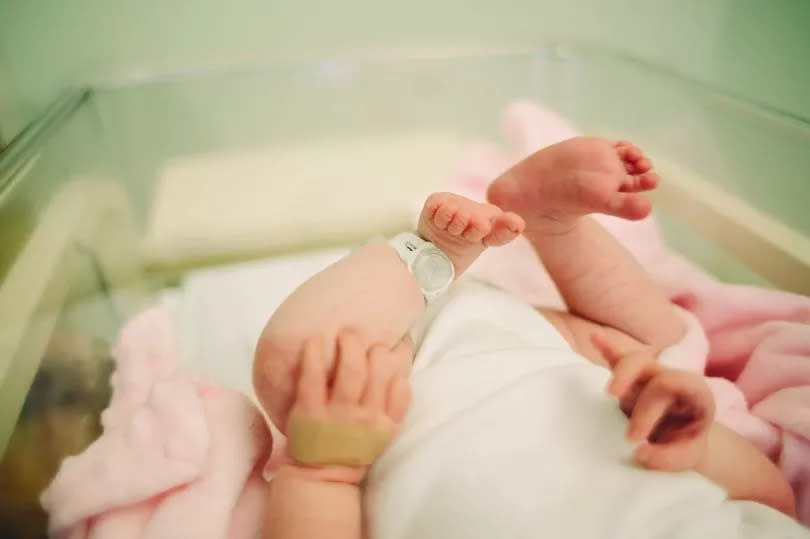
x: 753, y: 158
x: 216, y: 160
x: 62, y: 215
x: 758, y: 156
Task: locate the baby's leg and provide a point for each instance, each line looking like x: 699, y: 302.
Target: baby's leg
x: 371, y: 292
x: 554, y: 190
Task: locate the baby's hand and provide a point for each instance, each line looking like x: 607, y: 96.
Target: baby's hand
x: 670, y: 410
x: 350, y: 415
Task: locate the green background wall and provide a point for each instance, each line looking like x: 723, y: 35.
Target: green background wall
x: 759, y: 49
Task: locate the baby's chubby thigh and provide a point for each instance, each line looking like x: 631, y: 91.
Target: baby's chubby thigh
x: 275, y: 372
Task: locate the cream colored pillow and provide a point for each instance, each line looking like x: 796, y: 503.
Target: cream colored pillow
x: 259, y: 201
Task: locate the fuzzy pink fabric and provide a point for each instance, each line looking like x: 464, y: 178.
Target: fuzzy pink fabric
x: 178, y: 457
x: 754, y: 344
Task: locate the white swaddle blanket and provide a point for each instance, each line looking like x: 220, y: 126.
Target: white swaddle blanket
x: 511, y: 434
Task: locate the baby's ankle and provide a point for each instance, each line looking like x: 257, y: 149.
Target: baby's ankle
x: 329, y: 474
x: 538, y: 226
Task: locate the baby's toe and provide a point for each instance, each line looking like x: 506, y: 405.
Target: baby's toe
x: 635, y: 183
x: 630, y: 153
x: 477, y: 229
x: 642, y: 165
x: 459, y: 223
x: 635, y: 162
x: 443, y: 215
x: 505, y: 228
x: 629, y: 206
x: 648, y: 181
x: 514, y: 222
x: 432, y: 204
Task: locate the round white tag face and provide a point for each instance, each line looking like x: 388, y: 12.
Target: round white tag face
x: 433, y: 271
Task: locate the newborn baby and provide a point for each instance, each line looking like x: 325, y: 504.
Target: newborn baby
x: 310, y: 370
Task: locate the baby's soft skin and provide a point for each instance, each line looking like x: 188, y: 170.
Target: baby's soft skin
x: 338, y: 375
x: 671, y: 417
x: 551, y: 193
x: 555, y: 190
x: 368, y: 391
x: 609, y: 296
x: 372, y: 292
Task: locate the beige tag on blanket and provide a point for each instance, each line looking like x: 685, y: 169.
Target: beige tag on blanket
x: 316, y: 442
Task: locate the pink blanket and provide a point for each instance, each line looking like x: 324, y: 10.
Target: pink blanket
x: 754, y: 345
x: 178, y: 457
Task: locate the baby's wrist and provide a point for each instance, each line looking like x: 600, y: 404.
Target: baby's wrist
x: 329, y: 474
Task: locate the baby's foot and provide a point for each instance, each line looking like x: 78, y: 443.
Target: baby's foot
x: 463, y: 228
x: 553, y: 187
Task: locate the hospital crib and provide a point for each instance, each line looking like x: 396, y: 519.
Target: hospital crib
x: 130, y: 192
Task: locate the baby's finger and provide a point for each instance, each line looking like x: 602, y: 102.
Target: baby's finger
x: 635, y: 368
x: 381, y: 369
x: 311, y: 394
x: 608, y: 347
x: 690, y: 389
x: 693, y: 391
x: 399, y: 398
x: 350, y: 369
x: 403, y: 355
x: 650, y: 408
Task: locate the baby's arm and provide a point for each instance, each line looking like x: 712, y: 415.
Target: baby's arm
x: 744, y: 471
x: 671, y: 415
x: 316, y: 498
x: 308, y: 508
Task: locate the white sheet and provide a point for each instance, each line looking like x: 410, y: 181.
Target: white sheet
x: 220, y: 312
x: 511, y: 435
